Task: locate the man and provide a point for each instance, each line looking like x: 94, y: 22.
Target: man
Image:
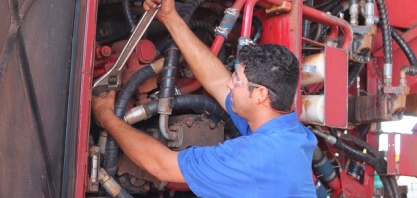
x: 271, y: 159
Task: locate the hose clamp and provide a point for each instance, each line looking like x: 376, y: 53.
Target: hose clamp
x: 232, y: 11
x: 222, y: 31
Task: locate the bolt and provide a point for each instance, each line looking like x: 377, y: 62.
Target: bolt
x: 104, y: 32
x: 189, y: 123
x: 212, y: 125
x: 122, y: 179
x: 146, y: 188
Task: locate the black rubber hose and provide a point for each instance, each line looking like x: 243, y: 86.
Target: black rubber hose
x: 386, y: 31
x: 404, y: 46
x: 128, y: 14
x: 323, y: 4
x: 200, y: 103
x: 214, y: 7
x: 169, y: 73
x: 330, y: 6
x: 257, y: 24
x: 354, y: 71
x: 374, y: 162
x: 130, y: 88
x: 373, y: 151
x: 167, y: 86
x: 110, y: 157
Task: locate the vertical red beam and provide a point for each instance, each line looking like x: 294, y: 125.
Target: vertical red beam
x: 89, y: 7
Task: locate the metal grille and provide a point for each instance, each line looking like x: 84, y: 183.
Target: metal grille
x: 33, y: 97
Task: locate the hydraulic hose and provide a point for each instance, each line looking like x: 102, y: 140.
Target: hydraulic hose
x: 330, y: 6
x: 257, y: 23
x: 323, y: 167
x: 196, y: 102
x: 386, y: 32
x: 110, y: 157
x: 373, y: 161
x: 373, y: 151
x: 128, y: 14
x: 404, y: 47
x: 195, y: 25
x: 167, y: 86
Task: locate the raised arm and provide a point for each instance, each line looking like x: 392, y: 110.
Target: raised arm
x: 206, y: 67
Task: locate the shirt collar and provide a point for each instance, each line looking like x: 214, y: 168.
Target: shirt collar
x: 280, y: 122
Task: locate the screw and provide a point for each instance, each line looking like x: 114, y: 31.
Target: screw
x: 146, y: 188
x: 212, y: 125
x: 189, y: 123
x: 122, y: 180
x: 104, y: 32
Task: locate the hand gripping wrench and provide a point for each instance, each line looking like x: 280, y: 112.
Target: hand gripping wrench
x: 111, y: 80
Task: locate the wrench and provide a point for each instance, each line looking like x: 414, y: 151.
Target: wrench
x: 111, y: 80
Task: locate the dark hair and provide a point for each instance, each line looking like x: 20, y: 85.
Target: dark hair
x: 274, y: 67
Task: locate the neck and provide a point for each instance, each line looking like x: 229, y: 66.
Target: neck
x: 260, y: 117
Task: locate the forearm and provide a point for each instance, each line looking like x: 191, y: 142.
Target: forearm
x: 144, y: 150
x: 207, y: 68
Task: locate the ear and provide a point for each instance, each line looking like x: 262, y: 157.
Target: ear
x: 263, y: 94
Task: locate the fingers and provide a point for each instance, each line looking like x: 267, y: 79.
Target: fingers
x: 148, y: 4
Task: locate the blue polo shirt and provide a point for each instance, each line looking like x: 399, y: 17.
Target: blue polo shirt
x: 274, y: 161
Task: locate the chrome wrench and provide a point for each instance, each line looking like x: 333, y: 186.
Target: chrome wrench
x: 111, y: 80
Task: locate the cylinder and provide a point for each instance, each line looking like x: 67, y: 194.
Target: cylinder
x: 312, y: 70
x: 312, y: 109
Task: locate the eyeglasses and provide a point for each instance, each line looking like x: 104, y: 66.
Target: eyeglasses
x: 237, y: 82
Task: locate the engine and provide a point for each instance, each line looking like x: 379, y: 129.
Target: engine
x: 352, y: 78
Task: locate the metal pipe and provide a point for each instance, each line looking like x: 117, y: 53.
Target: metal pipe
x: 353, y: 11
x: 327, y: 19
x: 111, y: 186
x: 369, y: 12
x: 163, y: 127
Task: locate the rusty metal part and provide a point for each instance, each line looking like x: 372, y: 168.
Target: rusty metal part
x: 411, y: 105
x: 376, y: 108
x: 94, y: 156
x: 284, y: 7
x: 362, y: 41
x: 196, y: 130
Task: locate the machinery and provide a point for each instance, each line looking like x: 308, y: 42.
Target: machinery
x: 358, y: 69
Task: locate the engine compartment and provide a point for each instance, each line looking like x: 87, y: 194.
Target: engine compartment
x: 345, y: 87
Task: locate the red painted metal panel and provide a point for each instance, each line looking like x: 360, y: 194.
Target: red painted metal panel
x: 408, y: 159
x: 335, y: 87
x: 353, y: 188
x: 90, y: 6
x: 402, y: 13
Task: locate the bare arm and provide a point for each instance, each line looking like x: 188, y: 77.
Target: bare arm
x: 142, y: 149
x: 206, y: 67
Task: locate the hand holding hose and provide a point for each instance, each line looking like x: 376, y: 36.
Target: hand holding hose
x: 167, y: 8
x: 103, y: 107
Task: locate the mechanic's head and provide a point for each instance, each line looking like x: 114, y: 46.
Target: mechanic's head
x: 274, y: 67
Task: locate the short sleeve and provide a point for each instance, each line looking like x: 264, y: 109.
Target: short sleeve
x: 216, y: 171
x: 240, y: 123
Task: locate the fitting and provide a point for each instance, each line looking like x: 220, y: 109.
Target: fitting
x: 229, y: 20
x: 369, y: 13
x: 354, y: 11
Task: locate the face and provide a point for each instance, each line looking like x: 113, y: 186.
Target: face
x: 239, y: 93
